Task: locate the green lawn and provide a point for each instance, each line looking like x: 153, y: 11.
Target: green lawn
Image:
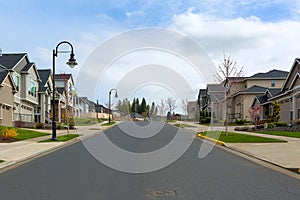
x: 108, y: 124
x: 62, y: 138
x: 239, y: 138
x: 288, y: 134
x: 185, y: 125
x: 24, y: 134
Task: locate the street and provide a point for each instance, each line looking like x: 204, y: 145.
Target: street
x: 73, y: 173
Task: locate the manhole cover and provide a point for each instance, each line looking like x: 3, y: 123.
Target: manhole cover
x: 163, y: 193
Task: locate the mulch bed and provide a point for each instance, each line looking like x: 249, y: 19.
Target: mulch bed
x: 6, y: 140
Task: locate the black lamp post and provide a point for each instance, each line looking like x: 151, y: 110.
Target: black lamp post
x: 71, y: 62
x: 109, y: 102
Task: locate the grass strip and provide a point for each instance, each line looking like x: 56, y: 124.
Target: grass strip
x: 287, y: 134
x: 62, y: 138
x: 239, y: 138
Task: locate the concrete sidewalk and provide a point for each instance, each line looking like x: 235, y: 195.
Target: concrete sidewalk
x: 21, y: 151
x: 285, y: 155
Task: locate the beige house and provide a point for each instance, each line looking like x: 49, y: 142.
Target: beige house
x: 43, y: 110
x: 289, y: 98
x: 26, y: 79
x: 7, y: 91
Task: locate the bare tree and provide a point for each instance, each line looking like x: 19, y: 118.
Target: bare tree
x: 184, y: 106
x: 161, y: 108
x: 228, y: 74
x: 171, y: 104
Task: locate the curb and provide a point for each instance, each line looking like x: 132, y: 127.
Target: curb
x: 218, y: 142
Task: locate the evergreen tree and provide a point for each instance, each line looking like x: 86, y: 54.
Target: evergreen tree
x: 275, y: 117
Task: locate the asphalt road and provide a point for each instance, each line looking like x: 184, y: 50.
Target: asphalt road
x: 73, y: 173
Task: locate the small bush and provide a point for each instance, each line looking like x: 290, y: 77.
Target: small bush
x: 39, y: 125
x: 240, y: 121
x: 71, y: 123
x: 9, y: 133
x: 271, y: 125
x: 280, y: 124
x: 205, y: 120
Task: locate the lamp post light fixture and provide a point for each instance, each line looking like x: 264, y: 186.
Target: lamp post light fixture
x: 72, y: 63
x: 109, y: 102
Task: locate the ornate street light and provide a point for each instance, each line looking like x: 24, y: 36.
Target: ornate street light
x: 109, y: 102
x: 72, y: 63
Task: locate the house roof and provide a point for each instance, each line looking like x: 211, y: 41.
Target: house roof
x: 60, y: 90
x: 274, y: 91
x: 271, y: 74
x: 27, y: 67
x: 10, y: 60
x: 215, y: 88
x: 202, y: 92
x: 255, y: 89
x: 44, y: 75
x: 262, y: 99
x: 3, y: 75
x: 62, y: 76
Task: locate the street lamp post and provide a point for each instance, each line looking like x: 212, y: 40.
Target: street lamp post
x: 71, y: 62
x: 109, y: 102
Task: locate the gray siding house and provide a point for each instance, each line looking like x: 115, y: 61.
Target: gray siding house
x: 26, y: 79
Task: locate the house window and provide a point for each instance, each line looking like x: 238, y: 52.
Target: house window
x: 17, y: 81
x: 273, y: 83
x: 31, y: 87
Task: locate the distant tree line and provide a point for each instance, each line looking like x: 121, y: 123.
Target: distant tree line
x: 125, y: 107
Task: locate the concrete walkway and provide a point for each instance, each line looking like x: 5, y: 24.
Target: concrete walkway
x: 21, y: 151
x: 286, y: 155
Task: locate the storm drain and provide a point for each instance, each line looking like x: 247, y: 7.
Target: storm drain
x: 163, y: 193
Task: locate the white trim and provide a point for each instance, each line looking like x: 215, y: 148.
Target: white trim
x: 287, y: 78
x: 294, y: 79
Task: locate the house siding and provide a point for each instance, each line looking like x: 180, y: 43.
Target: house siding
x: 265, y: 82
x: 6, y: 104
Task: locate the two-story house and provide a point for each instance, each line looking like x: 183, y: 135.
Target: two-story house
x: 242, y: 91
x: 288, y: 96
x: 26, y: 79
x: 66, y: 101
x: 43, y: 111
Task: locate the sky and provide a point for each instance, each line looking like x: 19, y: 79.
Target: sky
x: 260, y: 35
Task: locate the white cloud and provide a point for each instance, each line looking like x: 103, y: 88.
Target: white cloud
x: 134, y: 13
x: 256, y: 45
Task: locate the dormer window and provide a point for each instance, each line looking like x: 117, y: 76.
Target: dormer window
x: 273, y: 83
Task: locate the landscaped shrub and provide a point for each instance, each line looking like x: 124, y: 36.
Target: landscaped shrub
x: 8, y: 133
x: 39, y: 125
x: 240, y: 122
x: 205, y: 120
x: 271, y: 125
x: 280, y: 124
x: 71, y: 123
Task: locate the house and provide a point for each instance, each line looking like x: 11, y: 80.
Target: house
x: 288, y: 97
x: 45, y: 96
x: 26, y: 79
x: 7, y: 91
x: 83, y: 106
x: 242, y: 90
x: 192, y: 110
x: 211, y: 99
x: 66, y: 100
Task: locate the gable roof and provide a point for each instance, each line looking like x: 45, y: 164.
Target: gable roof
x: 60, y: 90
x: 273, y: 91
x: 3, y: 75
x: 202, y: 92
x: 27, y: 67
x: 215, y: 88
x: 285, y: 85
x: 44, y: 75
x: 254, y: 89
x: 10, y: 60
x: 62, y: 77
x: 271, y: 74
